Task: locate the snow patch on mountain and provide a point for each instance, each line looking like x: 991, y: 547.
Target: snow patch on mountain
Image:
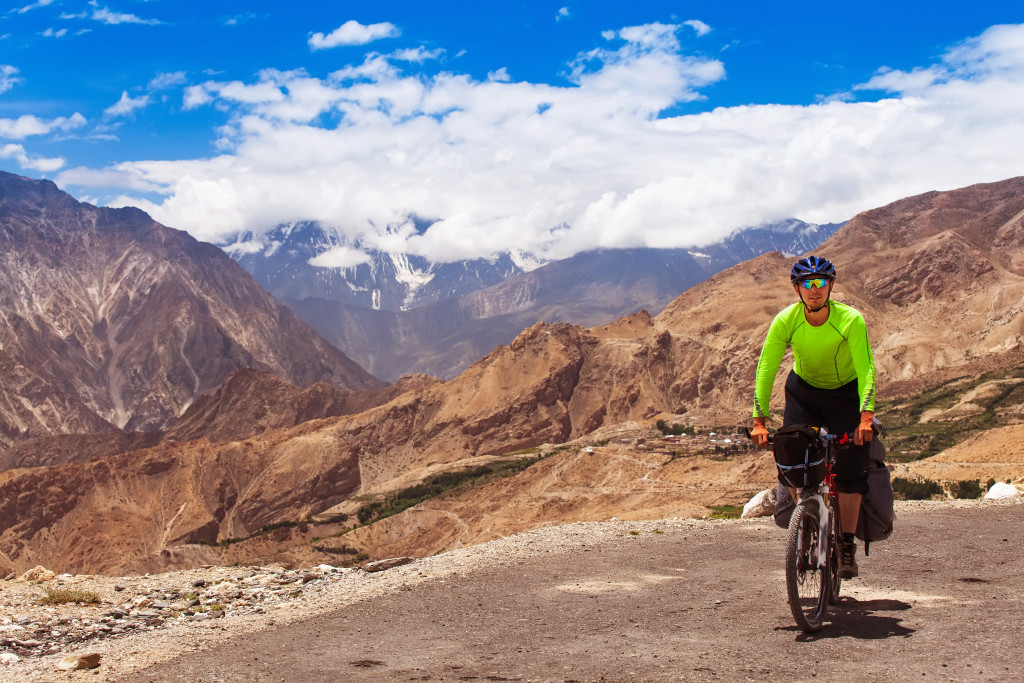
x: 526, y: 261
x: 410, y: 276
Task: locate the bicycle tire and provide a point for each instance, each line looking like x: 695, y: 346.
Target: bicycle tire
x: 835, y: 583
x: 807, y: 585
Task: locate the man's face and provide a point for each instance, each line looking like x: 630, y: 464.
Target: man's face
x: 817, y: 295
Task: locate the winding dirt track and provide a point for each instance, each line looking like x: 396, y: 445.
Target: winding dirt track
x: 941, y: 600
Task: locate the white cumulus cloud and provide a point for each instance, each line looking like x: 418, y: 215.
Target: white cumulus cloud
x: 195, y: 96
x: 339, y: 257
x: 29, y: 125
x: 417, y: 55
x: 28, y: 8
x: 8, y: 77
x: 353, y: 33
x: 108, y: 16
x: 41, y: 164
x: 500, y: 164
x: 163, y: 81
x: 699, y: 26
x: 127, y: 105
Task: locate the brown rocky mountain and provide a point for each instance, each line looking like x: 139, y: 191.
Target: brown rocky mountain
x: 109, y: 320
x: 939, y: 278
x: 248, y: 403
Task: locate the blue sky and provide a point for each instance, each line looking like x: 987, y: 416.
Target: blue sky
x: 545, y: 127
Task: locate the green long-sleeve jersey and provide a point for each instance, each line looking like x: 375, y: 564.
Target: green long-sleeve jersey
x: 827, y: 356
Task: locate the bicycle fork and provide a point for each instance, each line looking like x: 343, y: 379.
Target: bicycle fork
x: 823, y: 520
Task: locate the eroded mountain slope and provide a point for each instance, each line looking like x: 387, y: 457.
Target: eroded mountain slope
x: 110, y: 320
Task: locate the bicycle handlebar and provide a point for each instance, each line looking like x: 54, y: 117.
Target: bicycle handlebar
x: 843, y: 440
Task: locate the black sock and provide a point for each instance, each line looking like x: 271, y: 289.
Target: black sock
x: 849, y: 538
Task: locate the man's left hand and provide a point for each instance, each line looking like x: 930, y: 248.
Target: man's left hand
x: 864, y: 432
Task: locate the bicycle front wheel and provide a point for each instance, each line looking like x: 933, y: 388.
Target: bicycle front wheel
x: 833, y: 552
x: 807, y: 584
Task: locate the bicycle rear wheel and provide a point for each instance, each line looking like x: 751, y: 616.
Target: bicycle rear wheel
x: 807, y: 584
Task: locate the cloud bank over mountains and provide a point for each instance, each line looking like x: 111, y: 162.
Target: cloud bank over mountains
x: 503, y: 164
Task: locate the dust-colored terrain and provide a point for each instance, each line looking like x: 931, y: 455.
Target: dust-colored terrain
x: 997, y: 454
x: 663, y: 600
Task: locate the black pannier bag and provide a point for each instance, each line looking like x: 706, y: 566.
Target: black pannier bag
x: 799, y: 456
x: 877, y: 516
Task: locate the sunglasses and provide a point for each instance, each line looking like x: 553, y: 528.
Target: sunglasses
x: 814, y: 282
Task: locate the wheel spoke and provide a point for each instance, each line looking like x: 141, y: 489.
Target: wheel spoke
x: 807, y: 584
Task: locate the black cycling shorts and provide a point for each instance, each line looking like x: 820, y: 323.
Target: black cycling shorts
x: 838, y: 410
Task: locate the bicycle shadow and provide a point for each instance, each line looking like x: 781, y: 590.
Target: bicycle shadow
x: 852, y: 618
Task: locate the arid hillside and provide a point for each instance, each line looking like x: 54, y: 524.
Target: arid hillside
x: 938, y: 277
x: 109, y: 320
x: 248, y: 403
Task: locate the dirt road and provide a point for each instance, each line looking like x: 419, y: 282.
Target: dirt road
x: 941, y: 600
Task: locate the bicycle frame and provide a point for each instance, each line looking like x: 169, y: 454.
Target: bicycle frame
x: 830, y: 443
x: 822, y: 491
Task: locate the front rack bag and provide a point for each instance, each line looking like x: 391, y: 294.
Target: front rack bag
x: 799, y: 456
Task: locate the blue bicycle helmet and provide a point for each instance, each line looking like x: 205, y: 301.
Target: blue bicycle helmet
x: 812, y: 266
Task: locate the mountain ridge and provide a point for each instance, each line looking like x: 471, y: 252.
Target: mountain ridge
x: 444, y: 334
x: 111, y: 320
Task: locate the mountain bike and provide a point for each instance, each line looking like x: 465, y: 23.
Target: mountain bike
x: 812, y: 542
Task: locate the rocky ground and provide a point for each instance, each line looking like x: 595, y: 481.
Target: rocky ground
x: 134, y: 621
x: 142, y: 621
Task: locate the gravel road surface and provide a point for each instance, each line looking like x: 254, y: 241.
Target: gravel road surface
x: 648, y: 601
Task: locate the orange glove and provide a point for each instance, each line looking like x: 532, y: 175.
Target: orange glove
x: 864, y: 432
x: 759, y: 434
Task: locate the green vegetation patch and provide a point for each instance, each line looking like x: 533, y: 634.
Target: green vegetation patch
x: 970, y: 488
x: 912, y: 489
x: 726, y: 511
x: 926, y: 489
x: 909, y: 439
x: 336, y: 550
x: 439, y: 484
x: 369, y: 513
x: 673, y: 429
x: 263, y: 531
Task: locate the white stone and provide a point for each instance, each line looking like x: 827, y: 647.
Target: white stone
x: 1002, y: 490
x: 9, y: 658
x: 761, y: 505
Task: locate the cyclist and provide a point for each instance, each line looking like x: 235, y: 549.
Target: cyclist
x: 832, y: 383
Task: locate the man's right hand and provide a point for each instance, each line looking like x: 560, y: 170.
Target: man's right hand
x: 759, y: 434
